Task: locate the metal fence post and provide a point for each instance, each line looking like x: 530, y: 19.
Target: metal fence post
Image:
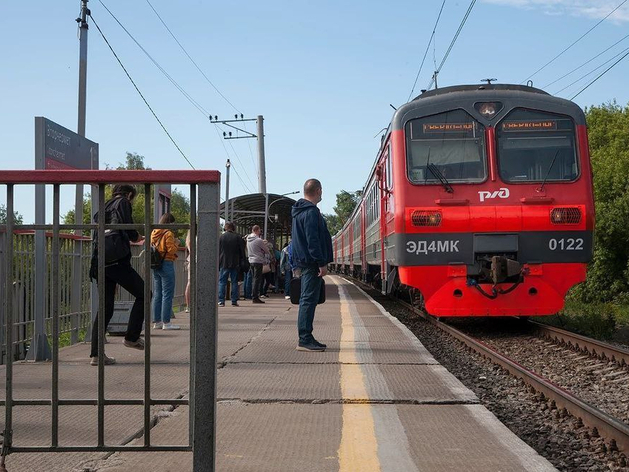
x: 205, y: 313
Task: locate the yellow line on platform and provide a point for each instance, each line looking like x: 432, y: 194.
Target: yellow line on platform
x: 359, y: 447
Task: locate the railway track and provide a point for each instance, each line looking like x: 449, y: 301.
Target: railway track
x: 614, y: 431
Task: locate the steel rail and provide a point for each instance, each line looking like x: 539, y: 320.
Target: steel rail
x: 606, y: 425
x: 583, y: 343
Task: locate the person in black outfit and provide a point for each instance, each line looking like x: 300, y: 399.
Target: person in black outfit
x: 231, y: 257
x: 119, y: 272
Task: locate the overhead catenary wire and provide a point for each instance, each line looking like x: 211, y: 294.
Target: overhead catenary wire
x: 244, y: 185
x: 211, y: 84
x: 601, y: 75
x: 592, y: 71
x: 139, y: 92
x: 586, y: 62
x: 161, y: 69
x: 573, y: 43
x: 452, y: 43
x: 192, y: 60
x: 434, y: 29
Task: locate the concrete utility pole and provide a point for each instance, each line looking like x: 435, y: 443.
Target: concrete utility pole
x: 78, y: 203
x: 260, y: 136
x: 261, y: 162
x: 227, y: 166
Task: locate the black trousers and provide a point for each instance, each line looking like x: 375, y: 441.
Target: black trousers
x: 124, y: 275
x: 256, y: 273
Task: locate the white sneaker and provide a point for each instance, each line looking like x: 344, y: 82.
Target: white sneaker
x: 158, y: 325
x: 170, y: 326
x: 187, y: 309
x: 287, y: 297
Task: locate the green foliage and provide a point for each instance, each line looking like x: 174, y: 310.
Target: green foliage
x: 345, y: 204
x: 17, y: 218
x: 608, y: 274
x: 179, y: 203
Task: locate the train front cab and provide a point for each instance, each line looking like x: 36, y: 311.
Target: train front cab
x: 494, y: 214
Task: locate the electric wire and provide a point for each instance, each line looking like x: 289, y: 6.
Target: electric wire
x: 601, y: 75
x: 192, y: 60
x: 161, y: 69
x: 445, y: 57
x: 209, y: 82
x: 586, y: 63
x: 140, y: 93
x: 240, y: 162
x: 592, y: 71
x: 434, y: 29
x: 244, y: 186
x: 575, y: 42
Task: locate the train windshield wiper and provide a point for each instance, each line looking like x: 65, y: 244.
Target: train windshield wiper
x: 541, y: 187
x: 442, y: 178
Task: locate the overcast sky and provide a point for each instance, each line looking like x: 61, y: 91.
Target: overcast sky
x: 322, y: 73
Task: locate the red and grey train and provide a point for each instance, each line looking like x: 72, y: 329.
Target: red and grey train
x: 480, y: 203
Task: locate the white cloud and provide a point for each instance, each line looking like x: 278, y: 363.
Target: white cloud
x: 595, y: 9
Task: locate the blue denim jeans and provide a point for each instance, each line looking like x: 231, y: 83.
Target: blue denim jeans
x: 248, y: 285
x: 163, y: 291
x: 310, y: 290
x: 288, y: 275
x: 222, y: 284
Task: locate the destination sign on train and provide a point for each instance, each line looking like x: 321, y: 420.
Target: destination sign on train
x: 546, y: 125
x: 447, y: 127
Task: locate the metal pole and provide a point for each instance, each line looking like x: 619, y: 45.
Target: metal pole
x: 55, y: 288
x: 261, y: 163
x: 147, y: 311
x: 78, y: 203
x: 266, y: 213
x: 7, y: 438
x: 204, y: 438
x: 227, y: 166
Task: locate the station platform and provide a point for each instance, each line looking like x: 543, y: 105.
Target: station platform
x: 375, y: 400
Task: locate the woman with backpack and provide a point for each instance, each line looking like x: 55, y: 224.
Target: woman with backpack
x: 165, y: 243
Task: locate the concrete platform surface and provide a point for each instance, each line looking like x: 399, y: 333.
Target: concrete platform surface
x: 376, y: 400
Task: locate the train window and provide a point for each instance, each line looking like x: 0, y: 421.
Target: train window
x: 534, y: 146
x: 451, y: 144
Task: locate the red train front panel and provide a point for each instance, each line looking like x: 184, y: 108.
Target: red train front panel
x: 492, y: 197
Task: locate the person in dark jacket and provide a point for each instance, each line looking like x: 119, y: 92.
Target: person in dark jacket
x: 119, y: 272
x: 231, y: 256
x: 311, y: 253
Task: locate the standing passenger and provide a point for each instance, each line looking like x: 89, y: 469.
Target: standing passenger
x: 164, y: 277
x: 247, y: 278
x: 187, y: 291
x: 118, y: 271
x: 286, y: 270
x: 311, y: 251
x: 258, y: 251
x: 231, y: 255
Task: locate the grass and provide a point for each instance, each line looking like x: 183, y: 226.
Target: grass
x: 604, y: 321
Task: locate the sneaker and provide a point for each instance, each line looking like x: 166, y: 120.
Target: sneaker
x: 158, y: 325
x: 262, y: 296
x: 310, y: 347
x: 235, y: 304
x: 170, y: 326
x: 257, y: 300
x: 317, y: 343
x: 221, y: 303
x: 107, y: 360
x: 139, y: 344
x: 187, y: 309
x: 287, y: 297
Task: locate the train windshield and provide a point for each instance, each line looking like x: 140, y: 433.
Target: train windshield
x: 450, y: 145
x: 535, y: 146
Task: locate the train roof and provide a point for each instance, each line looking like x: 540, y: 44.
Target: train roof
x: 465, y: 96
x: 467, y: 88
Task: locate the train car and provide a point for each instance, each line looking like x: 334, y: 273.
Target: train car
x: 480, y: 203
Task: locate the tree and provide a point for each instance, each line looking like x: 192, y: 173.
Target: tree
x: 179, y: 203
x: 608, y: 274
x: 17, y: 218
x: 345, y: 204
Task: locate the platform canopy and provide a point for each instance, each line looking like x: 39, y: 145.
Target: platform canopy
x: 245, y: 211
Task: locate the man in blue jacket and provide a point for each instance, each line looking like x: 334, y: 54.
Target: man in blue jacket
x: 311, y: 252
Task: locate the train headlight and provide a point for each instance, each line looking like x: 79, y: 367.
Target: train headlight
x: 488, y: 109
x: 426, y: 218
x: 565, y: 216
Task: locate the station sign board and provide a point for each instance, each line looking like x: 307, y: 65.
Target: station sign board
x: 59, y: 148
